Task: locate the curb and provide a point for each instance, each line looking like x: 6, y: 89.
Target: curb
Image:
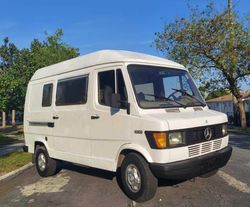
x: 16, y: 172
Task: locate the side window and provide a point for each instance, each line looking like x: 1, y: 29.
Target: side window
x: 72, y: 91
x: 121, y: 88
x: 106, y: 86
x: 47, y: 95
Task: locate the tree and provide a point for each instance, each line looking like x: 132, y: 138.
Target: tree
x: 19, y: 67
x: 8, y: 54
x: 215, y: 47
x: 217, y: 93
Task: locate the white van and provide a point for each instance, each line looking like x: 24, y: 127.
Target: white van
x: 123, y: 110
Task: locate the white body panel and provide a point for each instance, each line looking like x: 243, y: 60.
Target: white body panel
x: 77, y: 138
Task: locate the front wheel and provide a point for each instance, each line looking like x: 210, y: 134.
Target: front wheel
x: 45, y: 165
x: 138, y: 182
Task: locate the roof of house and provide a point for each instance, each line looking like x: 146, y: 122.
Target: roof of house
x: 102, y: 57
x: 228, y: 97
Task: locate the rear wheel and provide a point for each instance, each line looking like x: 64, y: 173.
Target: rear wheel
x: 45, y: 165
x: 138, y: 182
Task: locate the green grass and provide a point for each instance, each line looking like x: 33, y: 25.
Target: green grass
x: 14, y: 161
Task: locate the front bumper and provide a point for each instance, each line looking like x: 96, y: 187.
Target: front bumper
x: 194, y: 167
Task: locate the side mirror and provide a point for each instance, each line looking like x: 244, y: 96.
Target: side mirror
x: 116, y: 100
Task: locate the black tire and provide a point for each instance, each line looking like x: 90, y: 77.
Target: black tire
x: 50, y: 166
x: 149, y: 182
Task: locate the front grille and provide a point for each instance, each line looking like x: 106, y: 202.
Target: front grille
x: 196, y: 135
x: 194, y: 150
x: 217, y: 144
x: 204, y: 148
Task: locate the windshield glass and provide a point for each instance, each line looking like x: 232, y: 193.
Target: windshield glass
x: 160, y: 87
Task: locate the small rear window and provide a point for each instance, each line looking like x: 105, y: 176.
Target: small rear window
x: 47, y: 95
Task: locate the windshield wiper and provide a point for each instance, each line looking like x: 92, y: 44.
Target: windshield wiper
x: 167, y: 99
x: 192, y: 96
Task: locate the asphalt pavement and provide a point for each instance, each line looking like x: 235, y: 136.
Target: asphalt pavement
x: 80, y: 186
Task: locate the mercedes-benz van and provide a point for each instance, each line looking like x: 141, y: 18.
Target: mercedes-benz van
x: 123, y: 110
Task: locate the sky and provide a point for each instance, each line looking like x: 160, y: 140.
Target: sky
x: 95, y: 25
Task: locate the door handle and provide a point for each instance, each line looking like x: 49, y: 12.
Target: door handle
x: 51, y: 124
x: 55, y: 117
x: 95, y: 117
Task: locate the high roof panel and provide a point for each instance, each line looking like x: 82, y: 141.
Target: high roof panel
x: 101, y: 57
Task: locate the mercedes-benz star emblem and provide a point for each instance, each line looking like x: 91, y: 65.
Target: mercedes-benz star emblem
x: 208, y: 133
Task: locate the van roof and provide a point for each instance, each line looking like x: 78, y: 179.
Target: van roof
x: 101, y: 57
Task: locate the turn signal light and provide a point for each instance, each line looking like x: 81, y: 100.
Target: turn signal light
x: 160, y: 139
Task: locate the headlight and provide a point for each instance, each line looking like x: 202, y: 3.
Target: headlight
x: 224, y: 129
x: 176, y: 138
x: 163, y: 140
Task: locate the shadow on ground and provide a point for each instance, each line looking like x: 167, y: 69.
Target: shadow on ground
x: 110, y: 175
x: 88, y: 170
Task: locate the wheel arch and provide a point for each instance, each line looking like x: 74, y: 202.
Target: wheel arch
x: 40, y: 142
x: 128, y: 148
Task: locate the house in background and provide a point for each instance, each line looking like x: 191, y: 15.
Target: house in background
x: 227, y: 105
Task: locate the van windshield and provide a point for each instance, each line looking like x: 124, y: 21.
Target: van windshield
x: 160, y: 87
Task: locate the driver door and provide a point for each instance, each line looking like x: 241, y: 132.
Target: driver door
x: 109, y: 126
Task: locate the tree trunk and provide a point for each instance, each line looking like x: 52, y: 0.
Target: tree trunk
x: 242, y: 113
x: 236, y: 92
x: 3, y: 119
x: 13, y: 120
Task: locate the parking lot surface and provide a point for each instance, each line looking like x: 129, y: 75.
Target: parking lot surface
x: 81, y: 186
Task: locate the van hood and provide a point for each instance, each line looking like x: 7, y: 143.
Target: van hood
x: 183, y: 120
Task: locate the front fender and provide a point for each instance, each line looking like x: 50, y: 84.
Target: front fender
x: 136, y: 148
x: 41, y: 140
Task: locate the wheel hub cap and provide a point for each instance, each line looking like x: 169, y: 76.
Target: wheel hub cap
x: 133, y: 178
x: 41, y: 162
